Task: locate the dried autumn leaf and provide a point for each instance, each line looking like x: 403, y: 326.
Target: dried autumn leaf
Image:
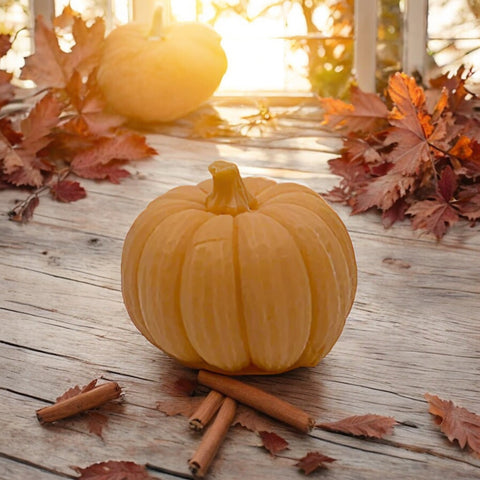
x: 272, y: 442
x: 96, y: 422
x: 366, y: 112
x: 6, y: 88
x: 457, y: 423
x: 370, y: 425
x: 252, y: 420
x: 185, y: 406
x: 182, y: 386
x: 113, y: 470
x: 46, y: 67
x: 76, y: 390
x: 20, y: 162
x: 5, y: 44
x: 25, y: 212
x: 313, y: 461
x: 427, y: 164
x: 67, y: 191
x: 435, y: 216
x: 92, y: 163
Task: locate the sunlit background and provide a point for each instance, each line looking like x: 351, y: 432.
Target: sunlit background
x: 285, y: 46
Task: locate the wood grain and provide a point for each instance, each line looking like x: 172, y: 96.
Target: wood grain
x: 414, y: 328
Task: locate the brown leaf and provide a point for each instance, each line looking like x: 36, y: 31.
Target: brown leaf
x: 457, y: 423
x: 313, y: 461
x: 113, y: 470
x: 365, y: 112
x: 46, y: 66
x: 123, y: 146
x: 96, y: 422
x: 66, y: 18
x: 6, y: 88
x: 182, y: 386
x: 252, y: 420
x: 67, y: 191
x: 272, y: 442
x: 5, y: 44
x: 383, y: 192
x: 370, y: 425
x: 74, y: 391
x: 435, y: 216
x: 24, y: 214
x: 185, y: 406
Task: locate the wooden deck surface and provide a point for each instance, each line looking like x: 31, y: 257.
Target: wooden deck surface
x: 414, y: 328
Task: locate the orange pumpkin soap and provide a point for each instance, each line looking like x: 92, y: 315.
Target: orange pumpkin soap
x: 239, y: 276
x: 162, y: 73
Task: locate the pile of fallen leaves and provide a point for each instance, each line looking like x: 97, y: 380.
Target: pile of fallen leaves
x: 415, y: 154
x: 67, y: 133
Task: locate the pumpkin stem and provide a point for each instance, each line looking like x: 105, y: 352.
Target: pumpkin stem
x: 161, y: 18
x: 229, y: 194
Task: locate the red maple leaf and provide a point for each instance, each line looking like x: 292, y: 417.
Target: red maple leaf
x: 313, y: 461
x: 100, y: 161
x: 272, y: 442
x: 468, y: 202
x: 113, y: 470
x: 383, y: 192
x: 457, y: 423
x: 434, y: 216
x: 67, y: 191
x: 370, y: 425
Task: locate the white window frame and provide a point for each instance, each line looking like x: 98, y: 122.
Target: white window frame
x: 414, y: 45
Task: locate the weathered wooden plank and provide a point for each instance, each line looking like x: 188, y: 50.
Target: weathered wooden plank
x: 413, y: 329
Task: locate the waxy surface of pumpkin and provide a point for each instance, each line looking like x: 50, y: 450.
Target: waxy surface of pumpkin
x: 160, y: 74
x: 239, y: 275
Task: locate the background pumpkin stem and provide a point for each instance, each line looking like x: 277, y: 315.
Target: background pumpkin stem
x: 229, y: 194
x: 159, y: 22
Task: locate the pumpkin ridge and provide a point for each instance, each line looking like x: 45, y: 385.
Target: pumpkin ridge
x: 126, y: 258
x: 299, y: 248
x: 177, y: 284
x: 345, y: 244
x: 281, y: 364
x: 238, y: 290
x: 339, y: 306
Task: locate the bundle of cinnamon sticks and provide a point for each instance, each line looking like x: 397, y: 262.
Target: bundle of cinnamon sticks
x: 225, y: 393
x: 218, y: 408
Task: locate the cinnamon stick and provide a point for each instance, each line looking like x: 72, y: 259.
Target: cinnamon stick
x: 205, y: 412
x: 80, y: 403
x: 212, y: 439
x: 258, y: 399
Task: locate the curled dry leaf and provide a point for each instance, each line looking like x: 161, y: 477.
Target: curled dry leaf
x: 457, y: 423
x: 113, y: 470
x: 272, y: 442
x: 313, y: 461
x: 370, y: 425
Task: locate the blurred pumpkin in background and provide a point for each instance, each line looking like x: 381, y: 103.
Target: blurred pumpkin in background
x: 160, y: 73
